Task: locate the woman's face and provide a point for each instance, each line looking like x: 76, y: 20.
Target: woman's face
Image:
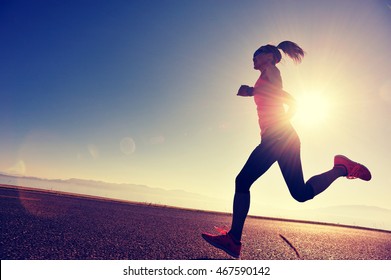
x: 261, y: 60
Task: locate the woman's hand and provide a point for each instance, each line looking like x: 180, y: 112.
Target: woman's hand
x: 245, y: 91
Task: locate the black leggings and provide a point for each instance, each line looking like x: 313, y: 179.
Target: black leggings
x: 283, y: 146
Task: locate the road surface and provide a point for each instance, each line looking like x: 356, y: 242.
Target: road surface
x: 49, y: 226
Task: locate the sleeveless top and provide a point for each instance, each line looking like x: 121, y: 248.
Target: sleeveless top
x: 270, y: 106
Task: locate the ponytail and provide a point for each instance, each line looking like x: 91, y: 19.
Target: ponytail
x: 292, y: 50
x: 289, y: 48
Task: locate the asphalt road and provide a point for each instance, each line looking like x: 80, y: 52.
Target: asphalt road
x: 49, y: 226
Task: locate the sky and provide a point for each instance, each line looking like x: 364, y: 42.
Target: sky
x: 144, y: 92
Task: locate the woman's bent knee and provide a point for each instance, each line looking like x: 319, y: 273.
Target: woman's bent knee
x: 242, y: 185
x: 303, y: 194
x: 300, y: 198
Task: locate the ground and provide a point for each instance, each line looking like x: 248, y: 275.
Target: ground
x: 50, y: 226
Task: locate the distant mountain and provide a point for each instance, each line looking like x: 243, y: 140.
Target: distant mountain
x: 354, y: 215
x: 129, y: 192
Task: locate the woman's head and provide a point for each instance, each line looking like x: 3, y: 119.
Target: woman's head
x: 288, y: 47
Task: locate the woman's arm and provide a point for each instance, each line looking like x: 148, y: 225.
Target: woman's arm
x: 274, y: 82
x: 291, y: 102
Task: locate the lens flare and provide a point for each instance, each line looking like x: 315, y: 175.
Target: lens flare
x: 47, y: 206
x: 18, y: 168
x: 93, y: 150
x: 127, y: 146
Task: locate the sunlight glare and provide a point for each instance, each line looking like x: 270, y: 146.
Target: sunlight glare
x: 312, y: 108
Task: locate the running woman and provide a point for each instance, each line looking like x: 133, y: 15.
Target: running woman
x: 279, y: 143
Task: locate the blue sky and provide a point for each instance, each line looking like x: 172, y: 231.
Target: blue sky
x: 144, y: 91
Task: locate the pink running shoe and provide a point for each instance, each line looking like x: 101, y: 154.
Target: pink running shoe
x: 224, y: 242
x: 354, y: 169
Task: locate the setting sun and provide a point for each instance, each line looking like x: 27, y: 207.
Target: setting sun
x: 312, y: 108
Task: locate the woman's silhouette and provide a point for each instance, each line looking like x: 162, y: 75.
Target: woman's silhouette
x: 279, y: 143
